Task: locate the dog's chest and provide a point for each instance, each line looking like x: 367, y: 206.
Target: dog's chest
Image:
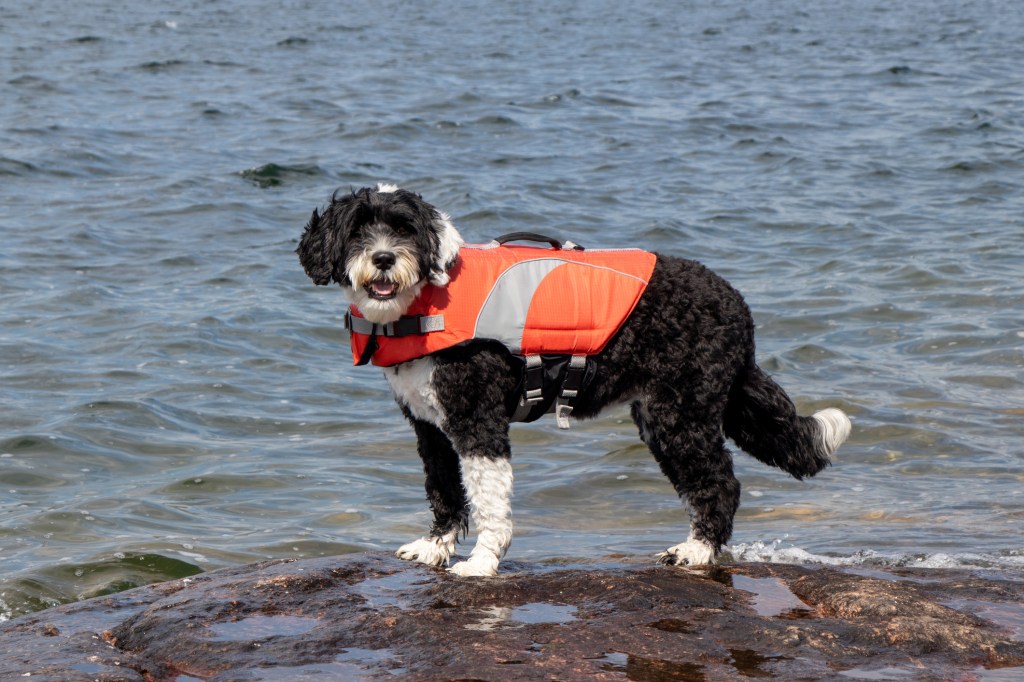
x: 413, y: 386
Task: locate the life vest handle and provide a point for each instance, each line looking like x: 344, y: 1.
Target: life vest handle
x: 535, y: 237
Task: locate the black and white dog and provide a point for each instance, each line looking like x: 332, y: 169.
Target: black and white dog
x: 684, y: 360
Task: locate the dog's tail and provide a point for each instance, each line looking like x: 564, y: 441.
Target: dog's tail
x: 762, y: 420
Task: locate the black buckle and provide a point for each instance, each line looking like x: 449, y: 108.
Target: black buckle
x: 403, y: 326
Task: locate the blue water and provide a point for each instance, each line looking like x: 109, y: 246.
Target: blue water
x: 176, y: 396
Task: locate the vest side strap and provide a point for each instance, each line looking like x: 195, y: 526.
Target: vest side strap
x: 405, y: 326
x: 414, y: 324
x: 359, y: 325
x: 431, y: 323
x: 533, y: 381
x: 570, y: 389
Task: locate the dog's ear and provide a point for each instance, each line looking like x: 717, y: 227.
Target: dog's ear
x: 447, y: 249
x: 321, y: 248
x: 438, y: 242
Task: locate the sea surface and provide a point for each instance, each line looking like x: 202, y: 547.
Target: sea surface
x: 177, y: 396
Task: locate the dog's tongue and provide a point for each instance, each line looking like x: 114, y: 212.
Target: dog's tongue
x: 383, y: 288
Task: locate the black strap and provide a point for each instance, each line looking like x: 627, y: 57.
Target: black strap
x: 535, y: 237
x: 574, y: 375
x: 560, y: 378
x: 371, y: 348
x: 404, y: 326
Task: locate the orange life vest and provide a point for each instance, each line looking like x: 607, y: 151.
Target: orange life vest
x: 534, y: 300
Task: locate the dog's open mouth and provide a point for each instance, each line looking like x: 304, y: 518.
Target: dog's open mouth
x: 382, y: 289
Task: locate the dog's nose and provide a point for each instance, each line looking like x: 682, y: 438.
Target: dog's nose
x: 383, y: 260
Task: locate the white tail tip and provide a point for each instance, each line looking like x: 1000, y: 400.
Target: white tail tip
x: 835, y: 428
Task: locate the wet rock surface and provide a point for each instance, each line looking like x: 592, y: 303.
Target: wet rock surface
x: 370, y: 616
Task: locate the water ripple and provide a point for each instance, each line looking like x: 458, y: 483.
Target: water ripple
x: 174, y: 388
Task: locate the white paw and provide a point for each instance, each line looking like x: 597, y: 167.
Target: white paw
x: 429, y: 551
x: 693, y: 552
x: 476, y: 565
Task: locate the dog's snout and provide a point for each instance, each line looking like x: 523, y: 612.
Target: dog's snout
x: 383, y: 260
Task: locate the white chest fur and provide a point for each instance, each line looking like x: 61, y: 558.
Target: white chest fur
x: 413, y: 385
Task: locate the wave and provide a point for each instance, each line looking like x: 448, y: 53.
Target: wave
x: 775, y: 553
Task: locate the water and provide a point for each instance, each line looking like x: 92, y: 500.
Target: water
x: 176, y: 396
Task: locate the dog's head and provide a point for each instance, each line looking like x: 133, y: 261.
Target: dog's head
x: 381, y: 245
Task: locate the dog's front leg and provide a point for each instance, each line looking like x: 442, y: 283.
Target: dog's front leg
x: 472, y: 389
x: 488, y: 482
x: 481, y: 439
x: 445, y: 493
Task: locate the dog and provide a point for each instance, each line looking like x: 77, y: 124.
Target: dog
x: 683, y: 359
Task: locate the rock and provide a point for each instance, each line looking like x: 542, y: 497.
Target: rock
x: 370, y: 616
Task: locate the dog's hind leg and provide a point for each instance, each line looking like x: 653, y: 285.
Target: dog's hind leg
x: 445, y: 494
x: 691, y: 452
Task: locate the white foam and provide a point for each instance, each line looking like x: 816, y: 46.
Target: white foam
x: 774, y: 553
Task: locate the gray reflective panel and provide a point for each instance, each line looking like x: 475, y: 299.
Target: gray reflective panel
x: 503, y: 315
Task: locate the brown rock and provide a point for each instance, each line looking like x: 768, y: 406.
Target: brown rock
x: 369, y: 616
